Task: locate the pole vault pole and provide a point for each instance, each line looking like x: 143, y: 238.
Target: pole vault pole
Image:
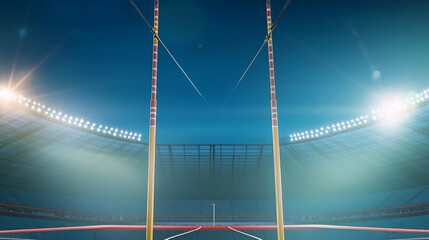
x: 152, y: 129
x: 275, y: 130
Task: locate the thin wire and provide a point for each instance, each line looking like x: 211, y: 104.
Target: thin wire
x: 143, y: 17
x: 184, y: 73
x: 268, y: 36
x: 169, y: 53
x: 245, y: 72
x: 280, y: 15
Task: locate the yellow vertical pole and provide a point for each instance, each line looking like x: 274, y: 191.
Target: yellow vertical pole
x: 152, y: 130
x: 275, y: 130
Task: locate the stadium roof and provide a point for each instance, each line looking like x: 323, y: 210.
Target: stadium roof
x: 43, y: 153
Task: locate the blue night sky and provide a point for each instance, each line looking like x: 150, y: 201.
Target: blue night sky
x: 93, y: 60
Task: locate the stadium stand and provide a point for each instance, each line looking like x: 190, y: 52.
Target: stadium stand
x: 59, y: 174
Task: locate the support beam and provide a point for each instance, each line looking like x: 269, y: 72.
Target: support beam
x: 275, y: 130
x: 152, y: 129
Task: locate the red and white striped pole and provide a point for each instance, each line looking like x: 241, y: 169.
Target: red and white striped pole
x: 152, y: 130
x: 275, y: 130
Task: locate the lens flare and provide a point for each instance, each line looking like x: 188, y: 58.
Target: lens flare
x: 6, y: 93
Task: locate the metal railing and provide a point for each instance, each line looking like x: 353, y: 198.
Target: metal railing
x: 64, y: 215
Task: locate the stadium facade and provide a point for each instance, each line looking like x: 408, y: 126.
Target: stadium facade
x: 57, y: 170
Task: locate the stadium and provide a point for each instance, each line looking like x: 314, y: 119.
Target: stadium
x: 98, y: 177
x: 63, y: 176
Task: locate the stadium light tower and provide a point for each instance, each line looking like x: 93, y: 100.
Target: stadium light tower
x: 275, y: 130
x: 152, y: 129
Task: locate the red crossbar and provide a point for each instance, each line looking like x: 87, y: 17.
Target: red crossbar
x: 220, y: 227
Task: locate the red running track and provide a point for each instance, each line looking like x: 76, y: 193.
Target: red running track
x: 223, y: 227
